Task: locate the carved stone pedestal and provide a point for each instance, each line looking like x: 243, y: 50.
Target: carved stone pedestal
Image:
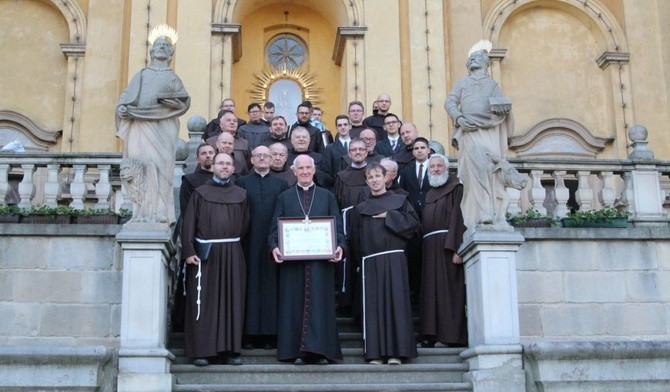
x: 493, y: 312
x: 144, y: 361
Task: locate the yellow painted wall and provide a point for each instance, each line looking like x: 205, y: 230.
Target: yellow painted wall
x: 33, y: 68
x: 550, y: 71
x: 318, y: 33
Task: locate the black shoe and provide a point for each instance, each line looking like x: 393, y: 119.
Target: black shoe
x: 427, y: 344
x: 200, y: 362
x: 234, y: 361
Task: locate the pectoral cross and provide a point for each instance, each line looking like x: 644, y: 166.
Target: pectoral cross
x: 306, y: 222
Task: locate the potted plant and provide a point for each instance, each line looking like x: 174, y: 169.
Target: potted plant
x: 9, y: 213
x: 46, y: 214
x: 530, y: 218
x: 606, y: 217
x: 100, y: 216
x: 125, y: 215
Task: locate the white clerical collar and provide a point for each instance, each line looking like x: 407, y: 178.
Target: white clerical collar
x: 359, y: 165
x: 262, y: 174
x: 305, y: 188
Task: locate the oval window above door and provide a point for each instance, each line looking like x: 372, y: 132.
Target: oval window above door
x: 286, y: 51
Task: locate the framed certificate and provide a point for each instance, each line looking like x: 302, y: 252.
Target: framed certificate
x: 310, y: 238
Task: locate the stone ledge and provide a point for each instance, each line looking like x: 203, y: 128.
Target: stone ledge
x: 37, y: 230
x: 588, y: 234
x: 598, y: 365
x: 53, y: 367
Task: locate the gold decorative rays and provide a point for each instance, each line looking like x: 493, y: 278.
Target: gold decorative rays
x: 261, y: 87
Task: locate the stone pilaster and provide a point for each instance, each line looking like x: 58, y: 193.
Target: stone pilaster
x: 495, y: 351
x: 144, y: 361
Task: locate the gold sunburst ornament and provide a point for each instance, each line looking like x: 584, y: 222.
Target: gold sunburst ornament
x: 261, y: 87
x: 165, y: 31
x: 484, y: 45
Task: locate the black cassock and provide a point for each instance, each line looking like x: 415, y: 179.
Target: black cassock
x: 262, y: 271
x: 306, y: 319
x: 387, y: 311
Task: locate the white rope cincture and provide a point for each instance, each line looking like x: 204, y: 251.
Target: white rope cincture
x: 199, y: 274
x: 365, y: 341
x: 344, y: 260
x: 183, y: 279
x: 434, y: 232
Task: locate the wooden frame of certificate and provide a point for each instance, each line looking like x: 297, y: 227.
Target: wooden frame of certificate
x: 310, y: 238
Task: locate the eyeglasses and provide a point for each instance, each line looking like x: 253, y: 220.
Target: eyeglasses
x: 223, y: 163
x: 358, y: 149
x: 262, y: 156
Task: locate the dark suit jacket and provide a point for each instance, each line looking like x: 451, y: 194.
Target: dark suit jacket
x: 383, y: 147
x: 332, y: 158
x: 410, y: 183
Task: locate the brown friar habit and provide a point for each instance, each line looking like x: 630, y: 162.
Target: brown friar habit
x: 380, y: 245
x: 443, y: 282
x: 214, y: 212
x: 286, y: 175
x: 306, y: 321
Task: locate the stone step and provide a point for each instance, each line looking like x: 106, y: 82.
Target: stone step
x: 318, y: 375
x: 347, y: 340
x: 406, y: 387
x: 351, y: 356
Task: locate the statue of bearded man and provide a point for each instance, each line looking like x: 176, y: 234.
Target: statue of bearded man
x: 482, y: 118
x: 147, y: 120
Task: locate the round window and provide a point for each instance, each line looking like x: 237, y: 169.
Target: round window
x: 286, y: 51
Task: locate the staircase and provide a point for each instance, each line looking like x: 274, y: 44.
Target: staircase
x: 435, y: 369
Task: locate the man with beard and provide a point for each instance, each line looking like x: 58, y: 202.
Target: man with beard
x: 403, y: 155
x: 304, y: 114
x: 376, y: 121
x: 278, y: 168
x: 255, y: 132
x: 217, y: 217
x: 381, y: 227
x: 443, y: 278
x: 349, y: 184
x: 278, y: 133
x: 308, y: 327
x: 263, y: 188
x: 203, y: 172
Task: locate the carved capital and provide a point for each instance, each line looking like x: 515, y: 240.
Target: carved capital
x: 235, y: 31
x: 344, y: 33
x: 608, y: 58
x: 73, y: 50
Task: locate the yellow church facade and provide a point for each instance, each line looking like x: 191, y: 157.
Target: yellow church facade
x: 588, y: 69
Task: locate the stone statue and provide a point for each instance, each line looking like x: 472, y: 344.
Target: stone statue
x: 482, y: 118
x: 141, y: 187
x: 147, y: 120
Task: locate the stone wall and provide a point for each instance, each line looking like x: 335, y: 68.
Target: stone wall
x: 60, y: 306
x: 594, y: 284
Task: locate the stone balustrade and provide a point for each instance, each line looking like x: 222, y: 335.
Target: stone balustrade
x: 554, y: 185
x: 77, y: 179
x: 557, y: 185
